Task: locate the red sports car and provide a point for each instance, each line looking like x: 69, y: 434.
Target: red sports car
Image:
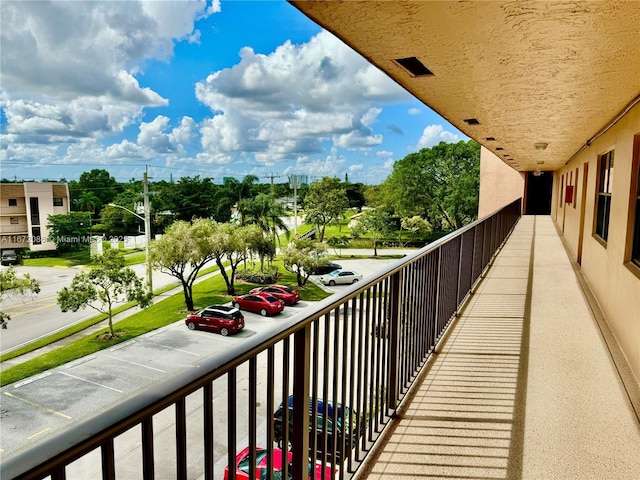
x: 242, y: 466
x: 268, y: 305
x: 284, y: 293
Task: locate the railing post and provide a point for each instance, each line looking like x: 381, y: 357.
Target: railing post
x: 394, y: 328
x: 301, y: 370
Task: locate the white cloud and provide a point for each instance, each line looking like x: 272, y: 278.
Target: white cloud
x: 294, y: 100
x: 434, y: 134
x: 384, y: 153
x: 68, y: 67
x: 414, y: 111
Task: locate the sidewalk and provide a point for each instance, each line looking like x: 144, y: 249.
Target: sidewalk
x: 523, y: 387
x: 95, y: 328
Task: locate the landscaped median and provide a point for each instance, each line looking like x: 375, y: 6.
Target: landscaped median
x: 164, y: 312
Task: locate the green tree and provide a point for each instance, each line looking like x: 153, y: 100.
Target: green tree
x: 231, y: 243
x: 416, y: 226
x: 97, y: 181
x: 375, y: 223
x: 240, y: 190
x: 70, y: 231
x: 88, y: 201
x: 440, y: 184
x: 11, y: 284
x: 264, y: 211
x: 355, y: 194
x: 189, y: 198
x: 303, y: 256
x: 325, y: 203
x: 182, y: 252
x: 105, y: 284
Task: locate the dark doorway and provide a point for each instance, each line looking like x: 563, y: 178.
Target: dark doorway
x: 538, y: 199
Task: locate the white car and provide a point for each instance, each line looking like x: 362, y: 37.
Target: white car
x: 340, y: 277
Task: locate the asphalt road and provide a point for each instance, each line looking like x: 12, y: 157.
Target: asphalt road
x: 37, y: 316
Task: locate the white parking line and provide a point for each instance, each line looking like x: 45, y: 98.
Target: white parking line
x: 177, y: 349
x: 134, y: 363
x: 92, y: 383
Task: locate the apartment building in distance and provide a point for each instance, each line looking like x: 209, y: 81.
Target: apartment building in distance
x: 24, y: 208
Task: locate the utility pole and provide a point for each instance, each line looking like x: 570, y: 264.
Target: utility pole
x: 147, y: 231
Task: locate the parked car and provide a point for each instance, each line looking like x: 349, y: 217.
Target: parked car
x: 242, y: 466
x: 351, y: 431
x: 288, y: 295
x: 218, y: 318
x: 9, y: 257
x: 327, y: 268
x: 268, y: 305
x: 340, y: 277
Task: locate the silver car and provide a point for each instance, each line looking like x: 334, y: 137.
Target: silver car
x: 340, y: 277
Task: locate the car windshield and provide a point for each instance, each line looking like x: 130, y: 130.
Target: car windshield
x: 335, y: 273
x: 287, y: 289
x: 271, y: 299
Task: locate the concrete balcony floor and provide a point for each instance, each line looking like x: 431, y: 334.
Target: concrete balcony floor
x: 524, y: 386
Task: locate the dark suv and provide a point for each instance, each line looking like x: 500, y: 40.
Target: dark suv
x: 9, y: 257
x: 218, y: 318
x: 340, y: 415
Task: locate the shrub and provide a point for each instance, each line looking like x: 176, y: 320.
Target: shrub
x: 267, y: 277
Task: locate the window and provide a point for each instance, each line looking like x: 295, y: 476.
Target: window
x: 35, y: 210
x: 575, y: 189
x: 13, y: 220
x: 605, y: 183
x: 36, y: 238
x: 561, y: 193
x: 13, y: 202
x: 634, y: 205
x: 57, y: 201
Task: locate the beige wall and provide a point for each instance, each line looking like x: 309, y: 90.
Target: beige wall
x: 499, y: 183
x: 614, y: 282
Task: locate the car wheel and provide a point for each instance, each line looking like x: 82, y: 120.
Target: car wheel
x: 237, y: 305
x: 332, y: 283
x: 354, y: 280
x: 263, y: 312
x: 191, y: 325
x: 281, y: 443
x: 224, y: 332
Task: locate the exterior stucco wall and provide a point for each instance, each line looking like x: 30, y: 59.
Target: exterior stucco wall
x: 499, y: 183
x: 616, y: 285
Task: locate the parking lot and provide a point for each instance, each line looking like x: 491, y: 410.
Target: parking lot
x: 39, y: 406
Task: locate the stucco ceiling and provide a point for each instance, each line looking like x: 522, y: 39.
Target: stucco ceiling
x: 530, y: 72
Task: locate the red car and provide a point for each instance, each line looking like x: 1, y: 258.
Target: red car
x: 242, y: 466
x: 219, y: 318
x: 284, y: 293
x: 268, y: 305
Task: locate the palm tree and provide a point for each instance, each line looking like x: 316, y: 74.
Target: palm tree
x: 265, y: 212
x: 240, y: 190
x: 88, y: 202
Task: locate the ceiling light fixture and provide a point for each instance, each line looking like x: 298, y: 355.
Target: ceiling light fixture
x: 540, y: 145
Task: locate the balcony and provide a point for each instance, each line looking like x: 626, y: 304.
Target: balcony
x: 515, y: 383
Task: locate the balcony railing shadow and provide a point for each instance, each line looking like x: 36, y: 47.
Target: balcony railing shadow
x: 464, y: 417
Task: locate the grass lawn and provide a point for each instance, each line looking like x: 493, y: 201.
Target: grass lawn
x: 65, y: 260
x: 210, y: 291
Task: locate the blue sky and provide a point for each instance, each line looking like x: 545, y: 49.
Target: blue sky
x: 185, y: 88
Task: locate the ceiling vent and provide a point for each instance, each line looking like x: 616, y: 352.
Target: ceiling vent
x: 490, y: 139
x: 471, y: 121
x: 499, y: 148
x: 414, y: 66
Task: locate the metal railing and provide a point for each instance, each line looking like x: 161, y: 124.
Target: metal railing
x: 333, y: 378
